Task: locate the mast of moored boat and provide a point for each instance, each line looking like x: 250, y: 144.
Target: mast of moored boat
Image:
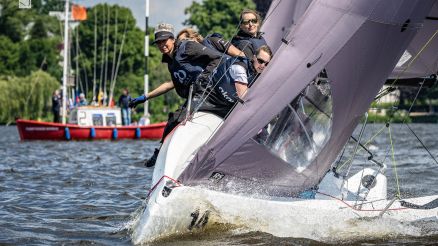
x: 146, y: 55
x: 64, y: 69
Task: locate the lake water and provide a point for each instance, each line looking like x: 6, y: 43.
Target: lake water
x: 87, y: 192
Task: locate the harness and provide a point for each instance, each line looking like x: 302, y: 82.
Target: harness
x: 244, y: 42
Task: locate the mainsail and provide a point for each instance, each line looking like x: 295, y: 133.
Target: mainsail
x: 291, y: 126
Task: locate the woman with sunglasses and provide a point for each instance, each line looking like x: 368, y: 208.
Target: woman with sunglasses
x: 249, y: 39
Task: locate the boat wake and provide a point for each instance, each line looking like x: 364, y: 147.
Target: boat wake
x: 203, y: 213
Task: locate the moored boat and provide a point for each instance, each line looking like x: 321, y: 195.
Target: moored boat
x: 89, y: 123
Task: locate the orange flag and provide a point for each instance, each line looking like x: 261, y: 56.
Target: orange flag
x: 78, y: 12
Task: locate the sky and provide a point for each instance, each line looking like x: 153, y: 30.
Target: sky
x: 170, y: 11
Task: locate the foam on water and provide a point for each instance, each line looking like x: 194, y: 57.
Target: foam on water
x: 235, y: 215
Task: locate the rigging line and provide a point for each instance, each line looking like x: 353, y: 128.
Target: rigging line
x: 361, y: 178
x: 410, y: 129
x: 394, y: 163
x: 431, y: 155
x: 115, y: 49
x: 77, y: 72
x: 103, y: 52
x: 363, y: 210
x: 363, y: 146
x: 383, y: 93
x: 357, y: 145
x: 415, y: 99
x: 339, y: 160
x: 95, y: 54
x: 119, y: 58
x: 105, y: 94
x: 366, y: 143
x: 85, y: 72
x: 416, y: 56
x: 114, y: 58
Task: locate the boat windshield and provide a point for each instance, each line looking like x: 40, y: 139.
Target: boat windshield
x: 299, y: 132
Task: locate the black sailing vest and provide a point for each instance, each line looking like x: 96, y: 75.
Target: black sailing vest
x: 248, y: 44
x: 183, y: 71
x: 223, y: 94
x: 208, y: 43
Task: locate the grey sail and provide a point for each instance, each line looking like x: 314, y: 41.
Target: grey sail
x: 425, y: 47
x: 292, y: 124
x: 282, y: 16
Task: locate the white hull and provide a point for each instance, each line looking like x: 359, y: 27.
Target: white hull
x: 187, y: 208
x: 314, y: 219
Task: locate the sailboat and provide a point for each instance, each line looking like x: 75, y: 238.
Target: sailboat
x: 88, y: 122
x: 269, y: 165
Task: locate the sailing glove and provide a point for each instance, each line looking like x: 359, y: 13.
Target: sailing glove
x: 136, y: 101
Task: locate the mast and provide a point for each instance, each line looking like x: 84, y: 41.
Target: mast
x: 65, y: 65
x: 146, y: 55
x: 95, y: 55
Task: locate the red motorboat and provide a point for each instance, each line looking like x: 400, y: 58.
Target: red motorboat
x: 88, y: 123
x: 37, y: 130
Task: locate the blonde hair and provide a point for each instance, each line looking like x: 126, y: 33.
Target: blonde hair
x: 190, y: 34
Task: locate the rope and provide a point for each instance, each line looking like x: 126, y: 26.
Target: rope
x: 368, y: 142
x: 359, y: 209
x: 178, y: 184
x: 114, y: 79
x: 424, y: 146
x: 394, y: 163
x: 410, y: 129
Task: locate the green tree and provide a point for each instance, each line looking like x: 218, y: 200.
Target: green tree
x: 31, y: 96
x: 38, y: 30
x: 8, y: 56
x: 34, y: 40
x: 217, y: 16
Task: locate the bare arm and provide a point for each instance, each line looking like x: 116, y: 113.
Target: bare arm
x: 241, y: 89
x: 160, y: 90
x: 234, y: 51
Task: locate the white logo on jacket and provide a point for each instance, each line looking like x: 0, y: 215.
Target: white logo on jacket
x: 180, y: 75
x: 225, y: 95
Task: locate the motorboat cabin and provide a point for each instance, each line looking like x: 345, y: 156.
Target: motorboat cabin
x: 96, y: 116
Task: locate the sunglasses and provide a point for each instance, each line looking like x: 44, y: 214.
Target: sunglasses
x: 253, y: 21
x: 261, y: 61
